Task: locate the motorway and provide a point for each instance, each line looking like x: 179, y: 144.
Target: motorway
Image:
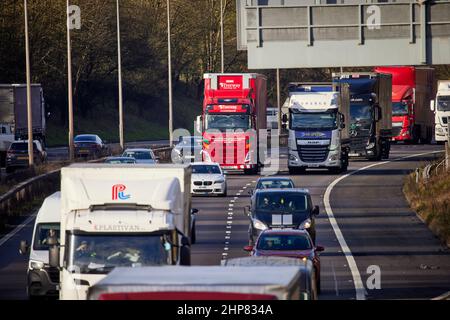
x: 364, y: 221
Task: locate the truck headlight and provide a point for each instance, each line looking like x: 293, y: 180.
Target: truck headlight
x: 306, y: 224
x: 293, y: 158
x: 259, y: 225
x: 36, y: 265
x: 371, y: 145
x: 440, y: 129
x: 334, y: 157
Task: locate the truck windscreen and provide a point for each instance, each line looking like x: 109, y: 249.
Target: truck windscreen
x: 360, y: 112
x: 443, y: 103
x: 399, y: 109
x: 323, y: 120
x: 100, y: 253
x: 223, y: 122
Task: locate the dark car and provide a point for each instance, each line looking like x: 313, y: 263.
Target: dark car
x: 90, y: 146
x: 275, y: 183
x: 120, y: 160
x: 17, y: 155
x: 188, y: 150
x: 288, y: 243
x: 281, y: 208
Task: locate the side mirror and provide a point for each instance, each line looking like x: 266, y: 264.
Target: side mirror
x: 198, y: 124
x: 250, y: 192
x: 284, y: 118
x: 53, y: 256
x: 320, y: 249
x: 316, y: 211
x: 194, y: 211
x: 185, y: 242
x: 378, y: 113
x: 248, y: 248
x: 24, y: 247
x: 432, y: 105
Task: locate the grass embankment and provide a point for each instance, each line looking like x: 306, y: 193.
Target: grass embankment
x: 431, y: 201
x: 140, y: 124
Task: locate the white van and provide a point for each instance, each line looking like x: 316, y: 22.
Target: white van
x: 43, y: 281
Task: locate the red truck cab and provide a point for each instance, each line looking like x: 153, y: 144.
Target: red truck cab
x: 234, y: 110
x: 412, y: 90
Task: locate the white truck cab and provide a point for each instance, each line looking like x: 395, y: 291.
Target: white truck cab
x: 121, y: 216
x: 318, y: 135
x: 441, y: 108
x: 43, y: 280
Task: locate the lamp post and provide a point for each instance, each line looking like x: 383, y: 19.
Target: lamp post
x: 222, y: 59
x: 69, y: 85
x: 119, y: 63
x: 28, y: 76
x: 169, y: 61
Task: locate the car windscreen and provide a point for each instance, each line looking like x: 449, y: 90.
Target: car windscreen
x: 138, y: 155
x: 44, y: 231
x: 282, y: 202
x: 284, y: 242
x: 275, y: 184
x: 205, y: 169
x: 85, y: 139
x: 121, y: 161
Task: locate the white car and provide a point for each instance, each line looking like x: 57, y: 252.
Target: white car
x: 142, y: 156
x: 208, y: 179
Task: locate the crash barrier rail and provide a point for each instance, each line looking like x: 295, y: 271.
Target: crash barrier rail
x: 25, y: 192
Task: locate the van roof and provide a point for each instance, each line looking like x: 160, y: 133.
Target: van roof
x: 50, y: 210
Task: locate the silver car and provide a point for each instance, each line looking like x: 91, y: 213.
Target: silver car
x: 142, y: 156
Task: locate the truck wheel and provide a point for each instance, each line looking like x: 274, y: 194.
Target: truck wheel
x: 185, y: 256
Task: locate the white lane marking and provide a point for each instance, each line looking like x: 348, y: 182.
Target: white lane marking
x: 16, y: 230
x: 359, y: 286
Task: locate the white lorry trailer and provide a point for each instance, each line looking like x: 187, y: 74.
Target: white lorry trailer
x: 120, y: 216
x: 441, y: 108
x: 199, y: 283
x: 318, y: 134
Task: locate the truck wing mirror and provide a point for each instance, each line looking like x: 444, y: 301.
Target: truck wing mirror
x: 24, y: 247
x: 198, y: 124
x: 378, y: 113
x: 284, y: 118
x: 185, y: 256
x: 194, y: 211
x: 432, y: 105
x: 53, y: 256
x: 185, y: 242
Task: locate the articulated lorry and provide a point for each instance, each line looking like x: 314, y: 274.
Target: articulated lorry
x: 318, y: 134
x: 441, y: 108
x: 370, y: 113
x: 14, y: 118
x: 234, y: 110
x: 120, y: 216
x: 412, y: 91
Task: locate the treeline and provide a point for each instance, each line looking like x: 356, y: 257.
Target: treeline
x: 195, y: 50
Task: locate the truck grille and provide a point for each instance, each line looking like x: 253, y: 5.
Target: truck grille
x: 312, y: 154
x: 358, y: 143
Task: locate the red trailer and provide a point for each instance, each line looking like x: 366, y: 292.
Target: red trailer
x: 412, y: 90
x: 234, y: 110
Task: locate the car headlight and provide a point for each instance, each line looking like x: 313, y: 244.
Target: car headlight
x: 306, y: 224
x: 220, y: 181
x: 36, y: 265
x: 259, y: 225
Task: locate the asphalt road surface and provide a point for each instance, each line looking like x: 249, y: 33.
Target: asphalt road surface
x: 364, y: 222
